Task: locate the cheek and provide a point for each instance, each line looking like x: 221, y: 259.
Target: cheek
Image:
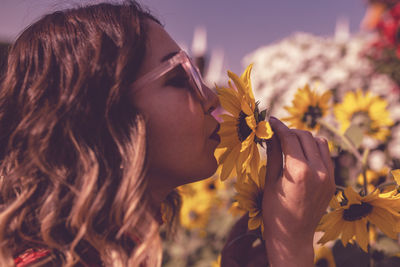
x: 180, y: 131
x: 176, y: 134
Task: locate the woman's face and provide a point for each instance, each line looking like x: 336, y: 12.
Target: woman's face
x: 180, y: 128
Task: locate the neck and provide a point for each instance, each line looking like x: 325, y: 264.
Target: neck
x: 157, y: 193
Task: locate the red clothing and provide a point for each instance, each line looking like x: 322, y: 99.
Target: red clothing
x: 30, y: 256
x: 33, y: 255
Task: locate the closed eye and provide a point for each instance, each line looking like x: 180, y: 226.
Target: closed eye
x: 177, y: 78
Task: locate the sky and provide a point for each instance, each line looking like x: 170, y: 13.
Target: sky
x: 236, y: 27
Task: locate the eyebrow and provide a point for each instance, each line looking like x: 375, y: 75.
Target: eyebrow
x: 168, y: 56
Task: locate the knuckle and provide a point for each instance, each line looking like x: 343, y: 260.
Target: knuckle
x: 302, y: 170
x: 323, y: 175
x: 321, y: 140
x: 307, y: 134
x: 303, y: 133
x: 289, y: 135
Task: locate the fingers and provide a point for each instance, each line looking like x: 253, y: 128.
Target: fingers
x: 326, y: 157
x: 310, y: 149
x: 275, y: 160
x: 301, y: 149
x: 290, y: 144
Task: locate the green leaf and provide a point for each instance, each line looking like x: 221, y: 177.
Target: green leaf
x: 355, y: 134
x: 261, y: 115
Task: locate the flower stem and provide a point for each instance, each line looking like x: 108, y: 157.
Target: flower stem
x: 343, y: 138
x: 364, y: 170
x: 341, y: 188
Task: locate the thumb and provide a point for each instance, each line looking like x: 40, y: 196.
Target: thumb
x: 238, y: 245
x: 274, y: 160
x: 240, y: 232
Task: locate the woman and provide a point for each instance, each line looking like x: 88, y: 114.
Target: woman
x: 101, y: 117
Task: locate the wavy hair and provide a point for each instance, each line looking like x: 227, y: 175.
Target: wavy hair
x: 72, y: 145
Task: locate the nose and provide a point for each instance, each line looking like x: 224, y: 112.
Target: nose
x: 211, y: 101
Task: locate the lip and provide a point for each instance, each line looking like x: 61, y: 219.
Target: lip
x: 215, y: 135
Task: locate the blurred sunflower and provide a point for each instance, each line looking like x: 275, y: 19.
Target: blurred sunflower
x: 324, y: 257
x: 241, y: 130
x: 374, y: 178
x: 349, y: 218
x: 307, y: 107
x: 365, y: 111
x: 195, y: 211
x: 210, y: 186
x: 197, y: 200
x: 249, y: 198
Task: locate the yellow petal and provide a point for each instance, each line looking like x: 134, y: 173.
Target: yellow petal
x: 352, y: 196
x: 384, y: 221
x: 229, y: 163
x: 362, y: 234
x: 396, y: 175
x: 247, y: 81
x: 240, y: 86
x: 242, y: 160
x: 230, y: 104
x: 263, y: 130
x: 251, y: 122
x: 254, y: 222
x: 248, y: 142
x: 332, y: 233
x: 246, y: 107
x: 348, y: 232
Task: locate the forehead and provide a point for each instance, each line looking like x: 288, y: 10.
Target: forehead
x: 159, y: 45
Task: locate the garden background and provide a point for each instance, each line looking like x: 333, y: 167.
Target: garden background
x: 339, y: 46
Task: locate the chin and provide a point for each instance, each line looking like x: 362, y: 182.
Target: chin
x: 209, y: 170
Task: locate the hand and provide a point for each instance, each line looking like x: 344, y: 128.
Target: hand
x: 238, y: 250
x: 296, y: 194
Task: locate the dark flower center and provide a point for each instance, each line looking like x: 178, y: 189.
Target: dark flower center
x: 211, y: 186
x: 381, y: 179
x: 357, y: 211
x: 243, y: 129
x: 362, y: 120
x: 322, y: 263
x: 193, y: 215
x: 259, y: 198
x: 311, y: 116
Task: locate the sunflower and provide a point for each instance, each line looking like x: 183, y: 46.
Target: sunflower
x: 349, y: 217
x: 249, y: 198
x: 324, y: 257
x: 307, y: 107
x: 374, y: 178
x: 242, y: 129
x: 366, y: 111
